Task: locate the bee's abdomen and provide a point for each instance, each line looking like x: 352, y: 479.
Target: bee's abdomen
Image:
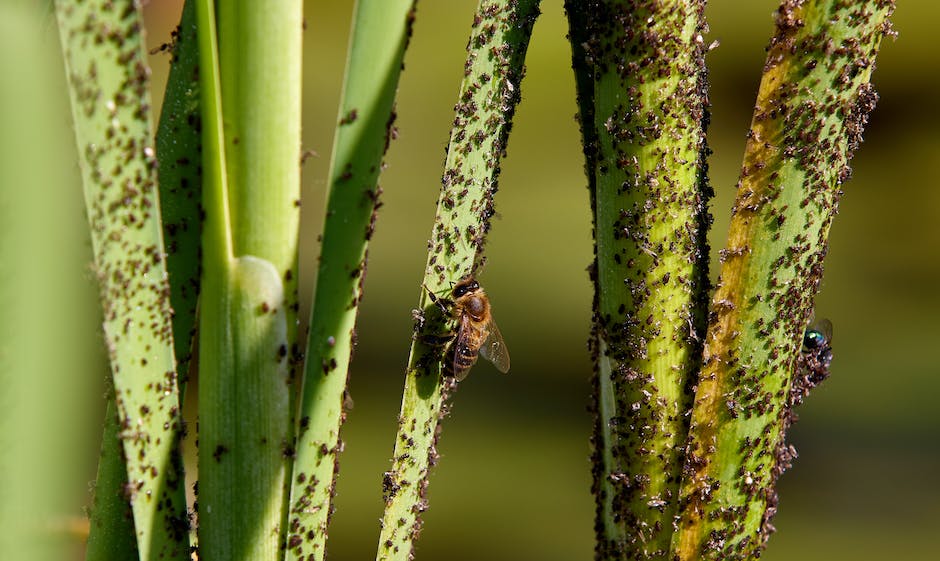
x: 459, y: 360
x: 464, y: 358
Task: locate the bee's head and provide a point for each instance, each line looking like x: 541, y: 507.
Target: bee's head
x: 466, y: 285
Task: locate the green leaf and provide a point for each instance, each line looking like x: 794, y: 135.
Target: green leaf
x: 250, y: 85
x: 109, y: 87
x: 489, y: 93
x: 178, y: 151
x: 379, y: 37
x: 639, y: 67
x: 813, y: 102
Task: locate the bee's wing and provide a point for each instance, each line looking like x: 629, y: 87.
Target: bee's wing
x: 494, y: 348
x: 462, y: 344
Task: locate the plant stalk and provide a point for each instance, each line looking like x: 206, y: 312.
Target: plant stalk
x: 380, y: 33
x: 178, y: 151
x: 639, y: 68
x: 109, y: 86
x: 250, y: 84
x: 489, y: 93
x: 813, y: 102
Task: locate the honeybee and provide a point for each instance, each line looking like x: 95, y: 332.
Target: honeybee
x: 477, y: 334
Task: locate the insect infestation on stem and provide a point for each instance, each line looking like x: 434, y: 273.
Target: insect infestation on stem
x: 812, y: 365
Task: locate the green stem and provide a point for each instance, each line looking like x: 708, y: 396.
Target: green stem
x: 250, y: 100
x: 109, y: 85
x: 812, y: 105
x: 111, y: 532
x: 260, y: 50
x: 178, y: 151
x: 488, y: 96
x: 380, y: 33
x: 640, y: 74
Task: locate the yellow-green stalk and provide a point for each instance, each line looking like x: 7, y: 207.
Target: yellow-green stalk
x: 813, y: 102
x: 640, y: 73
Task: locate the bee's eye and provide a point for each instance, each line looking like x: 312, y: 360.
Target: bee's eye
x: 464, y: 287
x: 813, y: 339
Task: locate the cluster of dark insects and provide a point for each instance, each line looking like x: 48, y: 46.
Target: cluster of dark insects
x: 812, y: 366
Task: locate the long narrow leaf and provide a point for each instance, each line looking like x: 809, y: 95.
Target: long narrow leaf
x: 812, y: 105
x: 111, y: 531
x: 178, y: 151
x: 488, y: 97
x: 379, y: 37
x: 109, y: 86
x: 250, y: 84
x: 640, y: 72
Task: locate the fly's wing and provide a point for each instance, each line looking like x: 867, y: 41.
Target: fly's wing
x: 824, y: 326
x: 494, y: 348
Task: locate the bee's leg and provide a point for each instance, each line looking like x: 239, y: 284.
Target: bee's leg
x: 444, y: 304
x: 438, y: 345
x: 437, y: 339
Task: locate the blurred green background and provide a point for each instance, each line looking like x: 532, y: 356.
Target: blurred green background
x: 513, y: 481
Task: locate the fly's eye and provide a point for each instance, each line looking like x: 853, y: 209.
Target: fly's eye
x: 813, y: 339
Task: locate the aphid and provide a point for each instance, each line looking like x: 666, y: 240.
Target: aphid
x: 812, y: 366
x: 477, y: 334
